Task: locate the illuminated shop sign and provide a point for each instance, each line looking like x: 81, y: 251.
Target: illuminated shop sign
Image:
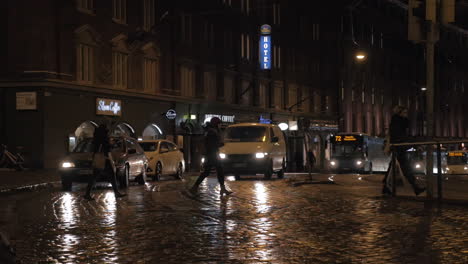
x: 455, y: 154
x: 171, y: 114
x: 108, y: 107
x: 224, y: 118
x: 264, y: 120
x: 265, y: 47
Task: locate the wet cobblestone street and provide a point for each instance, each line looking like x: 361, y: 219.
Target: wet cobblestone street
x: 262, y: 222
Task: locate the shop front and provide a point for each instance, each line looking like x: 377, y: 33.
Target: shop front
x: 51, y: 124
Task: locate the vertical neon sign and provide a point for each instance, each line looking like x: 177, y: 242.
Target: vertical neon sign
x: 265, y: 47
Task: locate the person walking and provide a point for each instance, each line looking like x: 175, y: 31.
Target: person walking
x: 399, y: 126
x: 212, y: 145
x: 102, y: 144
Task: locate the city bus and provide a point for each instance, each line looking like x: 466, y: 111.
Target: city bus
x: 457, y: 162
x: 357, y: 152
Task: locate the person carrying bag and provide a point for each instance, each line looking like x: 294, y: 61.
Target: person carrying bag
x: 102, y: 161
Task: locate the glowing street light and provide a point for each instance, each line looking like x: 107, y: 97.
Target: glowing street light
x: 360, y: 56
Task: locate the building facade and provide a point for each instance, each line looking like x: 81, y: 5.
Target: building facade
x: 159, y: 69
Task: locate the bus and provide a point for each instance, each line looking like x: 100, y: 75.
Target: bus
x: 457, y: 162
x: 357, y: 152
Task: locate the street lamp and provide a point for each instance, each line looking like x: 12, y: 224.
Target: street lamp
x: 361, y: 56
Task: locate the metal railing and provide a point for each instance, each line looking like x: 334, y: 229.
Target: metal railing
x: 429, y: 152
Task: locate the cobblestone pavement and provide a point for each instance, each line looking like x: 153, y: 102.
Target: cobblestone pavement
x: 264, y: 221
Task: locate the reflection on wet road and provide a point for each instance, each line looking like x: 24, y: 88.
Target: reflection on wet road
x: 262, y: 222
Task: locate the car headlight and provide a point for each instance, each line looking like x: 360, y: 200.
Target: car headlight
x: 222, y: 155
x: 259, y: 155
x: 333, y: 163
x: 417, y: 166
x: 465, y: 168
x: 358, y: 162
x: 67, y: 164
x: 202, y: 160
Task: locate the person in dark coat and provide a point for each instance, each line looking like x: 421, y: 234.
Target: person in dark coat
x: 212, y: 145
x: 399, y: 126
x: 102, y: 144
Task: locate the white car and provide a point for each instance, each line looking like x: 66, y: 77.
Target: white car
x: 165, y: 158
x: 251, y: 148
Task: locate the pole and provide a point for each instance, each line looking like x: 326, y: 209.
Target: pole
x: 439, y: 173
x: 430, y: 106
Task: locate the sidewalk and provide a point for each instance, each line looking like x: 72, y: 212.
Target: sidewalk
x: 454, y: 187
x: 12, y: 180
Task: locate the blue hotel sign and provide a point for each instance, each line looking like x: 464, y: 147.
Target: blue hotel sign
x: 265, y: 47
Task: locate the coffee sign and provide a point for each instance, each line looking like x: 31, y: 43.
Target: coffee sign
x: 109, y: 107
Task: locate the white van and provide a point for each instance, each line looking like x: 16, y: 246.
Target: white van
x: 251, y: 148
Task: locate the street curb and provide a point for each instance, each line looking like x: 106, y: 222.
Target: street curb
x: 27, y: 188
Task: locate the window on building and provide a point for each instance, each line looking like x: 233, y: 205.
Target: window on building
x: 86, y: 6
x: 148, y: 14
x: 245, y: 46
x: 277, y: 57
x: 315, y: 31
x: 245, y: 6
x: 85, y: 63
x: 276, y: 14
x: 187, y: 81
x: 229, y: 84
x: 150, y: 74
x: 120, y: 69
x: 120, y: 11
x: 209, y: 85
x: 208, y: 34
x: 186, y: 28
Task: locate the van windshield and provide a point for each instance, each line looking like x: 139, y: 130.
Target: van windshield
x: 245, y: 134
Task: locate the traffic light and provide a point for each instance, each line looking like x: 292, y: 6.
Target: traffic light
x: 447, y: 12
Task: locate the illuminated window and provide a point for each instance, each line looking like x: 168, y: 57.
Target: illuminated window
x: 120, y: 11
x: 85, y: 63
x: 120, y: 69
x: 148, y: 14
x: 85, y: 5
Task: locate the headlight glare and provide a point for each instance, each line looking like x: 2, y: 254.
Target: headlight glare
x: 259, y: 155
x: 222, y: 155
x: 67, y: 164
x: 358, y: 162
x: 202, y: 160
x: 417, y: 166
x: 333, y: 163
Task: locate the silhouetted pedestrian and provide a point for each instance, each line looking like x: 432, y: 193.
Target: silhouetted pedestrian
x: 102, y: 144
x: 399, y: 126
x: 212, y: 145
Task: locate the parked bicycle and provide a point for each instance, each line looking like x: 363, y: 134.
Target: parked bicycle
x: 10, y: 160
